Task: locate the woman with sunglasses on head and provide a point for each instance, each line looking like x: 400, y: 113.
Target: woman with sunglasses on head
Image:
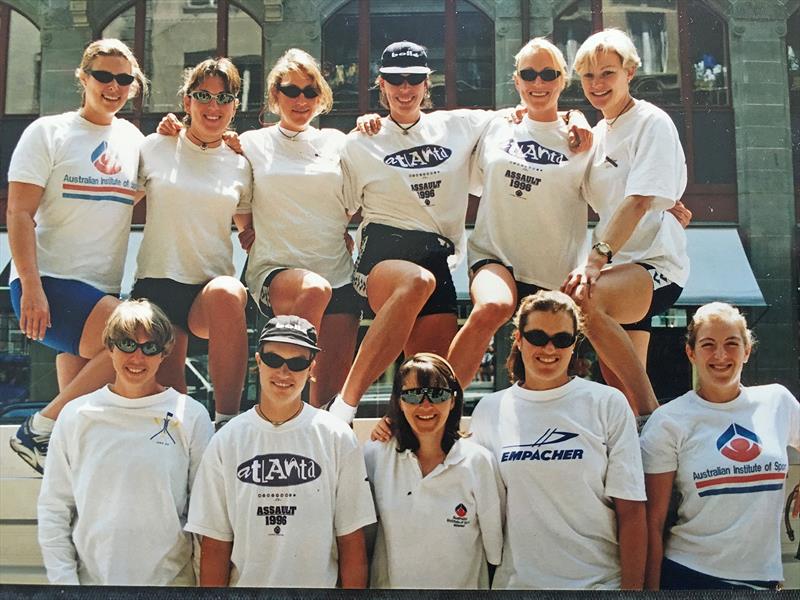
x: 723, y: 448
x: 195, y: 186
x: 568, y: 454
x: 115, y: 494
x: 72, y: 186
x: 638, y: 264
x: 433, y: 490
x: 281, y: 496
x: 531, y: 221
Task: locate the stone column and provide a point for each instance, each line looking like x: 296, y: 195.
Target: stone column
x: 766, y: 204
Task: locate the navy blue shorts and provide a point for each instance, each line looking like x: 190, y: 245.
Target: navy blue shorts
x: 70, y: 303
x: 523, y: 289
x: 428, y: 250
x: 665, y: 294
x: 675, y: 576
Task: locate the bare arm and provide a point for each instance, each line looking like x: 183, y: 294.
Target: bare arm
x: 23, y: 201
x: 244, y: 224
x: 352, y: 560
x: 215, y: 562
x: 632, y: 535
x: 659, y: 491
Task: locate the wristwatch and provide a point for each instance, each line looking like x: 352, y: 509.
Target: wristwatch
x: 604, y: 249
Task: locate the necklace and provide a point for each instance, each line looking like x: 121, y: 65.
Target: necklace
x: 407, y: 127
x: 278, y: 423
x: 624, y: 108
x: 287, y: 136
x: 203, y: 145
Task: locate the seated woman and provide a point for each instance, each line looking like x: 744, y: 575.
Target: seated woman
x: 281, y: 496
x: 722, y: 447
x: 432, y: 489
x: 122, y: 459
x: 569, y: 458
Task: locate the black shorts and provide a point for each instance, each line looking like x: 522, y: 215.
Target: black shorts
x: 173, y: 297
x: 665, y: 294
x: 428, y: 250
x: 344, y: 299
x: 674, y: 576
x: 523, y: 289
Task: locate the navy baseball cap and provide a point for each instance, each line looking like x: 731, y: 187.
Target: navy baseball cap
x: 404, y: 57
x: 290, y: 329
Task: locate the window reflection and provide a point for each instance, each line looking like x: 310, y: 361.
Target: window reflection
x: 708, y: 52
x: 570, y: 29
x: 474, y: 56
x: 24, y: 66
x: 244, y: 49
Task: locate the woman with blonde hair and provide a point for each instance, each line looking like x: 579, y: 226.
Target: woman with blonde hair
x: 195, y: 187
x: 638, y: 264
x: 569, y: 457
x: 723, y: 448
x: 72, y: 187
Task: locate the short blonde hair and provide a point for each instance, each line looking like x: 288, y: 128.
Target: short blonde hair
x: 132, y: 315
x: 611, y: 40
x: 295, y: 60
x: 113, y: 47
x: 540, y: 43
x: 719, y: 311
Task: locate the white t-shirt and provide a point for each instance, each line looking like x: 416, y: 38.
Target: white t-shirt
x: 531, y: 216
x: 419, y: 179
x: 436, y: 531
x: 88, y: 173
x: 115, y: 492
x: 730, y: 464
x: 192, y: 195
x: 282, y: 495
x: 299, y: 213
x: 564, y: 454
x: 641, y: 155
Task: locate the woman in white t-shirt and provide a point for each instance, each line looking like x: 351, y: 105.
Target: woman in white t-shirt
x: 433, y: 490
x: 72, y: 187
x: 568, y: 454
x: 637, y: 173
x: 531, y: 222
x: 195, y: 187
x: 722, y: 448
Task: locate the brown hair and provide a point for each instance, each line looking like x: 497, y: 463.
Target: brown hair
x: 211, y: 67
x: 131, y: 315
x: 384, y: 101
x: 297, y: 61
x: 112, y: 47
x: 545, y: 301
x: 718, y: 311
x: 430, y: 370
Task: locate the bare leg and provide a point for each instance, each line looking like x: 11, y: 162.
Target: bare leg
x: 172, y: 372
x: 67, y: 368
x: 300, y: 292
x: 217, y: 314
x: 432, y: 333
x: 397, y: 290
x: 494, y: 297
x: 98, y: 370
x: 337, y: 338
x: 621, y: 295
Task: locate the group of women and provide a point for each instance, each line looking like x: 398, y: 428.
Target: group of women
x: 74, y: 179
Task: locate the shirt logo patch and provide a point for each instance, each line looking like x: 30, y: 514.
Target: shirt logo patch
x: 163, y: 436
x: 104, y: 160
x: 461, y: 510
x: 278, y: 470
x: 739, y: 444
x: 549, y: 437
x: 459, y: 518
x: 419, y: 157
x: 533, y: 152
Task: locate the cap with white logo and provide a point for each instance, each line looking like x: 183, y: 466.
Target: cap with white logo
x: 404, y: 57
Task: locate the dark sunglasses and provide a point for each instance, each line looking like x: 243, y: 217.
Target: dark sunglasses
x: 436, y: 395
x: 546, y: 74
x: 129, y: 346
x: 537, y: 337
x: 108, y: 77
x: 399, y: 78
x: 293, y: 91
x: 276, y: 361
x: 204, y: 97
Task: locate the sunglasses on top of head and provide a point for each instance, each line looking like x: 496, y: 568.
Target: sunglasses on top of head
x: 276, y: 361
x: 537, y: 337
x: 107, y: 77
x: 547, y: 74
x: 204, y: 97
x: 129, y: 346
x: 435, y: 395
x: 293, y: 91
x: 399, y: 78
